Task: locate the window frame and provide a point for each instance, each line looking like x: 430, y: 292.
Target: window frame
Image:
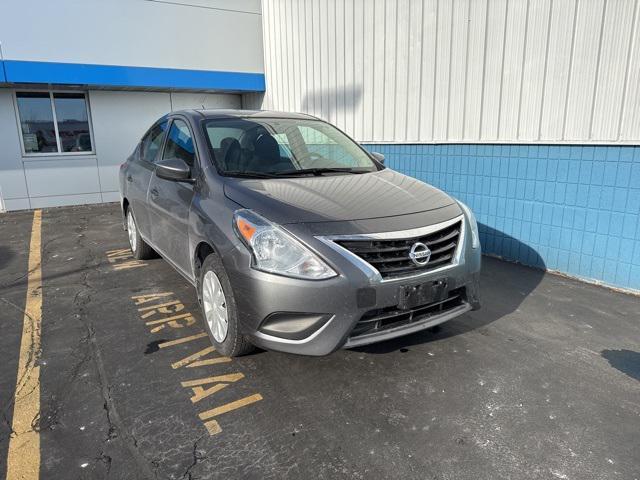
x: 59, y: 153
x: 196, y: 168
x: 161, y: 147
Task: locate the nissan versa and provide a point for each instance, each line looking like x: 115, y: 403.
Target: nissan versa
x: 296, y: 238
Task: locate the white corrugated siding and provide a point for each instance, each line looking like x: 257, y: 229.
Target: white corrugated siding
x: 549, y: 71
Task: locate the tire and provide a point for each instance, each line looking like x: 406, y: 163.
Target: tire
x: 139, y: 248
x: 231, y: 342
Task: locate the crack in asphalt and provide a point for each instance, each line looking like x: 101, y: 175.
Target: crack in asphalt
x: 116, y: 428
x: 32, y: 360
x: 106, y: 459
x: 9, y: 425
x: 14, y: 282
x: 54, y: 403
x: 87, y: 349
x: 197, y: 458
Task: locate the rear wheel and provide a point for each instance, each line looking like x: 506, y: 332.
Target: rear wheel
x: 219, y: 309
x: 140, y: 249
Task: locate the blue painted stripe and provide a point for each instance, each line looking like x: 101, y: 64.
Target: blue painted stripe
x: 3, y: 77
x: 18, y: 71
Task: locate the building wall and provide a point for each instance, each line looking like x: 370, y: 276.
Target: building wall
x: 187, y: 35
x: 517, y: 71
x: 520, y: 108
x: 565, y: 208
x: 136, y: 60
x: 13, y: 183
x: 119, y: 119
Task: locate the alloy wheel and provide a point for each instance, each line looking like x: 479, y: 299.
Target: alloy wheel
x: 215, y: 306
x: 131, y: 230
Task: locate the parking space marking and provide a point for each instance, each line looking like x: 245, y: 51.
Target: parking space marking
x: 212, y: 425
x: 163, y: 308
x: 199, y: 392
x: 23, y: 457
x: 165, y: 311
x: 140, y: 299
x: 166, y: 308
x: 192, y: 360
x: 122, y: 259
x: 178, y: 341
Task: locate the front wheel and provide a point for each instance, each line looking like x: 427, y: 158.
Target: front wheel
x: 219, y: 309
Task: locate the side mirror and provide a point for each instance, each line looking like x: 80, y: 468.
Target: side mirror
x: 378, y: 156
x: 174, y: 169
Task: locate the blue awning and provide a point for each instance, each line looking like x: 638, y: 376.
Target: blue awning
x: 19, y: 71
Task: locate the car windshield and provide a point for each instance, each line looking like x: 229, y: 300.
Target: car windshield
x: 281, y: 147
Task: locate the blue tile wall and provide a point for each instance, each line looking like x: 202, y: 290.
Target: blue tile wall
x: 574, y: 209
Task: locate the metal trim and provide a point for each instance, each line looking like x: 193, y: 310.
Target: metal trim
x: 302, y: 341
x: 373, y: 273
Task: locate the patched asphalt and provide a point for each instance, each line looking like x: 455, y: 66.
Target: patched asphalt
x: 543, y: 382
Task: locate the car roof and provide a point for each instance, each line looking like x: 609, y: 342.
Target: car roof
x: 233, y: 113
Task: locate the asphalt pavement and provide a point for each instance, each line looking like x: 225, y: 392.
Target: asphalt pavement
x: 542, y: 383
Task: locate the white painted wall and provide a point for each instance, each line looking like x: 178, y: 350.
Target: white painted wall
x: 523, y: 71
x: 13, y: 185
x: 119, y: 120
x: 202, y: 34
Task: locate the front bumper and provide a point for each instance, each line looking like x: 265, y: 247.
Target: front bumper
x: 343, y: 301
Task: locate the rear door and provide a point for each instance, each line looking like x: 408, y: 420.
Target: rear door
x: 170, y: 201
x: 139, y: 174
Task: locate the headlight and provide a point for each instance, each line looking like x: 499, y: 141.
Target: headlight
x: 475, y: 236
x: 276, y: 251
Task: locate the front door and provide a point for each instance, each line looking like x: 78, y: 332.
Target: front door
x: 170, y: 201
x: 139, y: 175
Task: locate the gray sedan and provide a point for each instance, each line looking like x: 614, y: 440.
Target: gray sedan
x: 295, y: 237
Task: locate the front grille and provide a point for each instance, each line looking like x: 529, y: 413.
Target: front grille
x: 381, y: 319
x: 391, y: 257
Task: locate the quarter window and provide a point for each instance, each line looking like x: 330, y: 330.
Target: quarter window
x: 54, y: 122
x: 179, y: 143
x: 152, y: 142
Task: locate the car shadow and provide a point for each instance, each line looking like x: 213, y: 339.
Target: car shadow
x: 6, y: 254
x: 626, y: 361
x: 504, y: 285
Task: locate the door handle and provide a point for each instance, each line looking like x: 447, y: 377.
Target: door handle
x: 154, y: 192
x: 129, y: 178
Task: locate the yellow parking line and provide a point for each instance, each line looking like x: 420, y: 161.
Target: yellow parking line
x: 191, y: 358
x: 178, y: 341
x: 214, y: 412
x: 23, y: 459
x: 153, y: 307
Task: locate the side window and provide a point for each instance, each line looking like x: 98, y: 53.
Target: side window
x: 179, y: 143
x: 152, y: 142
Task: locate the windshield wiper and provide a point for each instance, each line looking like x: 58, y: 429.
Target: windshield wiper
x: 248, y: 174
x: 318, y: 171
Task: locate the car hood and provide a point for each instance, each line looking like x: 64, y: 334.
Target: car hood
x: 385, y: 193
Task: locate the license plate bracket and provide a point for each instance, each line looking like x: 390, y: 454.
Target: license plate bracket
x: 411, y: 296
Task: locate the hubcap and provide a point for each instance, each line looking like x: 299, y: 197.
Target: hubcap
x: 215, y: 306
x: 131, y: 230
